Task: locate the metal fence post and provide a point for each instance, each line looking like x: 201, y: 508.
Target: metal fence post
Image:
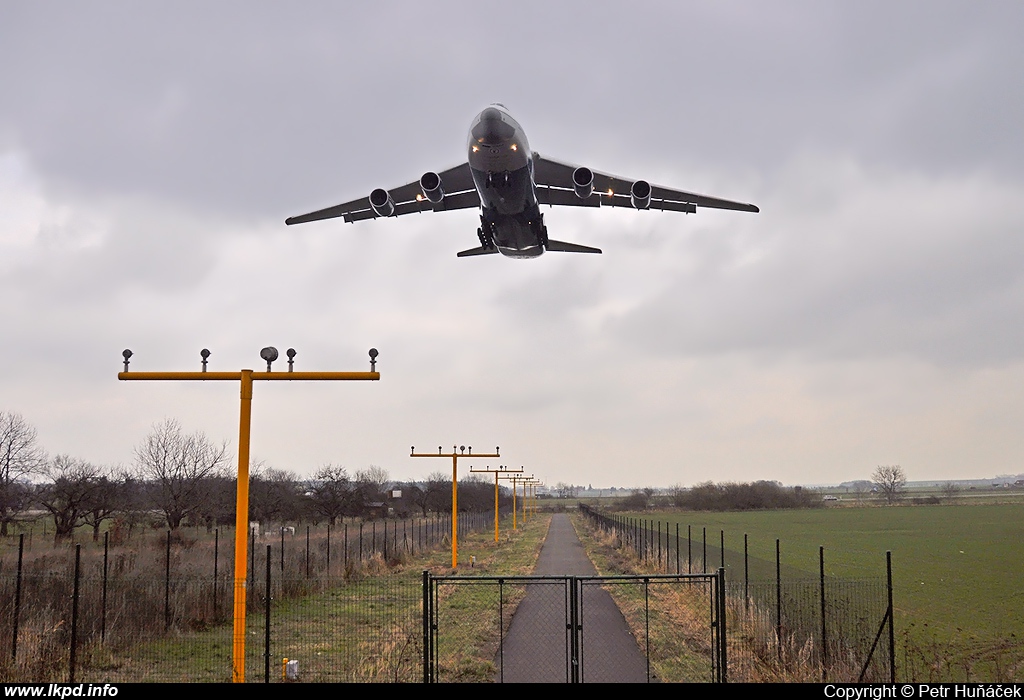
x: 892, y: 638
x: 252, y: 557
x: 746, y: 576
x: 426, y: 626
x: 307, y: 551
x: 103, y: 603
x: 216, y: 556
x: 721, y: 548
x: 167, y: 585
x: 778, y: 599
x: 704, y: 554
x: 723, y: 640
x: 74, y: 614
x: 266, y: 625
x: 678, y: 571
x: 659, y: 545
x: 824, y: 638
x: 17, y: 598
x: 328, y: 549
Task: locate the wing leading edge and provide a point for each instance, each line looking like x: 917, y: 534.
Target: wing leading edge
x: 459, y: 193
x: 555, y: 187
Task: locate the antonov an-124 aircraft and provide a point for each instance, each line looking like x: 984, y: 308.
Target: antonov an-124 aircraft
x: 509, y: 183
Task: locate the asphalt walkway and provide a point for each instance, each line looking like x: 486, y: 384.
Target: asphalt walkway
x: 535, y: 649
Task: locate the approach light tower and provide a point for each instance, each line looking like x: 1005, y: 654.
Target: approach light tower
x: 515, y: 481
x: 246, y: 377
x: 534, y: 484
x: 455, y: 488
x: 497, y: 472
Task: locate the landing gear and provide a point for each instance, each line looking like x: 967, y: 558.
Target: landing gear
x: 484, y: 234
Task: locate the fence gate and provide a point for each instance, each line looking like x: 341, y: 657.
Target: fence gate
x: 574, y: 629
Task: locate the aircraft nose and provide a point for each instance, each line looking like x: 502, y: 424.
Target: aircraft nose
x: 492, y: 130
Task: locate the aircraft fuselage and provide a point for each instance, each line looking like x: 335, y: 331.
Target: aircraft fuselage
x: 501, y: 163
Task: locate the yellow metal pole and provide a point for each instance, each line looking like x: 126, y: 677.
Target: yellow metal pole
x: 241, y: 528
x: 495, y: 506
x: 515, y: 525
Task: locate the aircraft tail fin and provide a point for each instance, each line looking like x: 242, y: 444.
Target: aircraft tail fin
x: 477, y: 251
x: 563, y: 247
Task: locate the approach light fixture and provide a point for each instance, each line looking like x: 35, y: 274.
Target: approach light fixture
x: 205, y: 354
x: 126, y: 355
x: 291, y: 358
x: 269, y: 354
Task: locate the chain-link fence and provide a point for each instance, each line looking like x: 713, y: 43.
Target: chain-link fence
x: 784, y: 623
x: 161, y: 610
x: 575, y: 629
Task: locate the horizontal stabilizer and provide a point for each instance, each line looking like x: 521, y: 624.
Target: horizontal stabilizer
x: 563, y: 247
x: 477, y: 251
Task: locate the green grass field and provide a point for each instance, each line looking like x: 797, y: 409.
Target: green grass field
x: 958, y: 570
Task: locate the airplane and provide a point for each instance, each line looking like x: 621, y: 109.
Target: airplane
x: 509, y: 183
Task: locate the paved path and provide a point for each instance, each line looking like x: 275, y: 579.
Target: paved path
x: 535, y: 647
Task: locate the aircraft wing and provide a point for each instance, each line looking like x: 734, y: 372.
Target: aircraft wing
x: 459, y: 193
x: 555, y: 187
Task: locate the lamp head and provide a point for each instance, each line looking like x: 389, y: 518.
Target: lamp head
x: 269, y: 354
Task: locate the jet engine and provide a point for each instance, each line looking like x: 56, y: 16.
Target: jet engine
x: 381, y: 203
x: 430, y: 183
x: 640, y: 194
x: 583, y: 182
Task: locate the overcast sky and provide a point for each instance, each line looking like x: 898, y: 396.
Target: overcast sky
x: 870, y: 314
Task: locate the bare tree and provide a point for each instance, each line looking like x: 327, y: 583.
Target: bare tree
x: 274, y: 495
x: 678, y: 495
x: 176, y: 465
x: 438, y: 492
x: 106, y: 497
x: 950, y: 490
x: 331, y: 492
x: 20, y: 457
x: 890, y: 481
x: 417, y: 495
x: 370, y: 485
x: 66, y: 497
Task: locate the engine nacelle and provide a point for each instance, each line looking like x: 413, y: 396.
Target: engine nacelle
x: 583, y: 182
x: 381, y: 203
x: 640, y: 194
x: 430, y: 183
